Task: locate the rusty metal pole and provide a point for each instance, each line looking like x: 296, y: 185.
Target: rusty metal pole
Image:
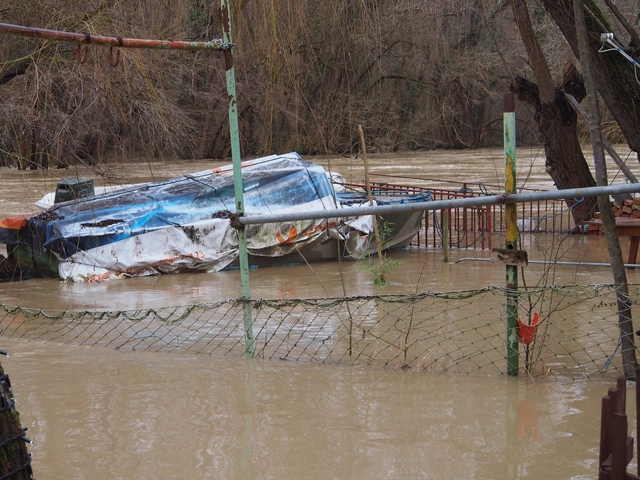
x: 111, y: 41
x: 512, y: 234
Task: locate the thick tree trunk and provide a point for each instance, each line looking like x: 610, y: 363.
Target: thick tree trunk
x: 565, y: 162
x: 614, y: 75
x: 556, y: 120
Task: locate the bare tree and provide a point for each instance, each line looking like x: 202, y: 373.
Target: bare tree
x: 625, y: 324
x: 614, y: 76
x: 556, y: 120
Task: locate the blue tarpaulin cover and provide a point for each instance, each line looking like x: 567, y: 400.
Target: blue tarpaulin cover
x: 184, y: 223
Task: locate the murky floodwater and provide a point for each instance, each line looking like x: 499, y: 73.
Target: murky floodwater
x: 97, y: 413
x: 103, y: 414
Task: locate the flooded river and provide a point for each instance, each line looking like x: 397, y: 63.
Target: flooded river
x: 97, y: 413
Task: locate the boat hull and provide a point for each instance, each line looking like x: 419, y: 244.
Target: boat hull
x: 185, y: 225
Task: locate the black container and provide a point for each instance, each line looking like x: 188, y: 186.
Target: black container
x: 73, y: 188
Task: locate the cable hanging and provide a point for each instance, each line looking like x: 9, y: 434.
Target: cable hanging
x: 608, y: 38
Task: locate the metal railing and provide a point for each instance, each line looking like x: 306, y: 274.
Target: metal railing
x: 473, y: 227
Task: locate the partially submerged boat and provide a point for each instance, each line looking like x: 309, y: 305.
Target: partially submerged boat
x: 185, y: 224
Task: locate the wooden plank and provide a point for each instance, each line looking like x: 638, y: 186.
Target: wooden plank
x: 613, y: 393
x: 606, y: 475
x: 621, y: 385
x: 605, y: 430
x: 619, y: 447
x: 625, y: 227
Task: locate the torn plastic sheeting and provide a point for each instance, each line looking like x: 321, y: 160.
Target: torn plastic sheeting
x: 206, y: 245
x: 275, y: 184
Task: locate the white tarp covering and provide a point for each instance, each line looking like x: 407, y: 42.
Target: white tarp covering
x: 208, y: 245
x: 184, y: 223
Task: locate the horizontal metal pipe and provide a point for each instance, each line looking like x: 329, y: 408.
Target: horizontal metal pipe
x: 505, y: 199
x: 114, y: 41
x: 543, y: 262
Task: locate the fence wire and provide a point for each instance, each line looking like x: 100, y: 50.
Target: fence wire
x: 460, y: 331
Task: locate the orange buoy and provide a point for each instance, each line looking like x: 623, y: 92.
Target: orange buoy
x: 527, y: 332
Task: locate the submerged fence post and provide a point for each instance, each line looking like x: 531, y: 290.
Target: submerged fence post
x: 445, y: 234
x: 237, y: 178
x: 512, y: 233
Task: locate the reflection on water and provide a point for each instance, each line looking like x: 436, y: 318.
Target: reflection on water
x: 414, y: 270
x: 98, y: 413
x: 106, y: 414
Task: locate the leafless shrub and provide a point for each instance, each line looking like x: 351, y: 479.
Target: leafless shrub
x: 415, y: 73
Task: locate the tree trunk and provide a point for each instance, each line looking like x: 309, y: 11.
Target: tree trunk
x: 15, y: 461
x: 555, y: 118
x: 625, y: 324
x: 613, y: 75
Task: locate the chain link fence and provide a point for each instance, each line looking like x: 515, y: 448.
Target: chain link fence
x: 462, y: 331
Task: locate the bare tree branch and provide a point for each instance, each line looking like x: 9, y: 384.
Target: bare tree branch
x: 18, y: 68
x: 536, y: 56
x: 635, y: 39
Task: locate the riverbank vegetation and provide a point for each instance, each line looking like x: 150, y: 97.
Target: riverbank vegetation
x: 415, y: 74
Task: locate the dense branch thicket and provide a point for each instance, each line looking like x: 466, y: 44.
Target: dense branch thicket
x: 416, y: 74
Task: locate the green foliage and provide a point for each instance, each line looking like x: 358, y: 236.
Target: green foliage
x: 380, y: 272
x: 380, y: 266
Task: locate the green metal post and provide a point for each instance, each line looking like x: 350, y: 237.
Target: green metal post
x: 237, y: 178
x: 512, y: 233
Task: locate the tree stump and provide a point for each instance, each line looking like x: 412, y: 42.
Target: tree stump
x: 15, y: 460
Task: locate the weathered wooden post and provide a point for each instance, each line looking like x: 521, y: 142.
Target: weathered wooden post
x: 445, y: 233
x: 489, y: 226
x: 638, y: 416
x: 370, y: 197
x: 616, y: 448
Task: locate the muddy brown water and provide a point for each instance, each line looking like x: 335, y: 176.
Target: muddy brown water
x: 97, y: 413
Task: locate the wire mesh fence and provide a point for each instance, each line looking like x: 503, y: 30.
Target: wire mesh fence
x: 461, y: 331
